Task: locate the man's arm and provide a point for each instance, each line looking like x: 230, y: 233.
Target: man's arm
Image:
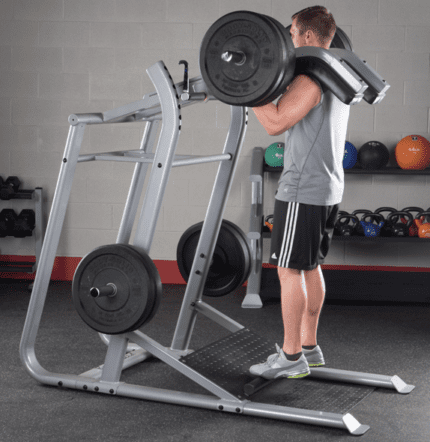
x: 302, y: 95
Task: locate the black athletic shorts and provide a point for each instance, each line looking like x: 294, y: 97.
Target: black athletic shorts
x: 301, y: 234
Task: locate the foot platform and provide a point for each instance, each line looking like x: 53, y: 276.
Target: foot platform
x: 227, y: 362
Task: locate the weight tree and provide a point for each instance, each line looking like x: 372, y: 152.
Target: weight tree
x: 128, y: 346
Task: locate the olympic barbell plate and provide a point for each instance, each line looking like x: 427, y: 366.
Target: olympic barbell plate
x: 157, y: 286
x: 289, y: 61
x: 288, y: 57
x: 231, y: 262
x: 255, y: 79
x: 241, y: 237
x: 136, y: 295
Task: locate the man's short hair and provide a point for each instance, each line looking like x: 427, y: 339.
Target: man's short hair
x: 319, y: 20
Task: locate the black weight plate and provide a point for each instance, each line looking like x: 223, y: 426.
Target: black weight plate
x: 241, y: 237
x: 133, y: 303
x: 272, y: 93
x: 251, y: 82
x: 340, y: 39
x: 289, y: 61
x: 229, y: 264
x: 156, y: 288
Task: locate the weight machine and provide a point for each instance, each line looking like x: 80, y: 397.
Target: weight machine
x: 231, y: 390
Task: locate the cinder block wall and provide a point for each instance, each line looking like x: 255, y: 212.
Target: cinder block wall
x: 59, y: 57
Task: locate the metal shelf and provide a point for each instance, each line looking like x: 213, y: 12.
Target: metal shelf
x: 380, y: 239
x: 390, y: 170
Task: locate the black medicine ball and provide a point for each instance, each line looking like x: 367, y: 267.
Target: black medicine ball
x: 373, y: 155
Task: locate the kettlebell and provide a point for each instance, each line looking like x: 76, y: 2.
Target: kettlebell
x: 371, y: 230
x: 423, y: 229
x: 400, y: 229
x: 269, y: 222
x: 413, y: 230
x: 343, y: 228
x: 358, y: 227
x: 428, y: 216
x: 338, y: 223
x: 386, y: 230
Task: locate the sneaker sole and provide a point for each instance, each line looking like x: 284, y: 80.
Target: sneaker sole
x: 297, y: 376
x: 316, y: 365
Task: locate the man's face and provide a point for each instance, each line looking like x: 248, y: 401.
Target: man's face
x: 307, y: 39
x: 294, y: 32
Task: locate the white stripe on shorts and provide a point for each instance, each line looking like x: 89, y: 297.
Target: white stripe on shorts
x: 290, y: 229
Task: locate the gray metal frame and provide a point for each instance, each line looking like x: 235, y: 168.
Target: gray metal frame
x: 255, y: 236
x: 39, y: 231
x: 126, y: 350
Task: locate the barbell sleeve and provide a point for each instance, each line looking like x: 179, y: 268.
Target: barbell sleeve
x: 237, y: 57
x: 109, y: 290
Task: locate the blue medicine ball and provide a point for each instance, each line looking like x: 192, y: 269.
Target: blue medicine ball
x: 350, y: 156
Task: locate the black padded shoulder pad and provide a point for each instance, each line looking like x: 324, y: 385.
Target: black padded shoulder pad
x: 331, y: 72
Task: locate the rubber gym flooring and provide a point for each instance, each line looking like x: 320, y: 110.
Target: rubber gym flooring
x: 383, y: 339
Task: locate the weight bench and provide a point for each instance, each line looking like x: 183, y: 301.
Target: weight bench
x: 128, y: 346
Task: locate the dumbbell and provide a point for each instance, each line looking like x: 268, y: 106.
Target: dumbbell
x: 24, y: 224
x: 7, y: 221
x: 9, y: 188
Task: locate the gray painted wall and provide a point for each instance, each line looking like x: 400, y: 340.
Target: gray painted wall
x: 59, y: 57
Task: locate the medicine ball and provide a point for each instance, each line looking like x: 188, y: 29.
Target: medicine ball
x: 274, y: 155
x: 373, y: 155
x: 350, y: 156
x: 413, y: 152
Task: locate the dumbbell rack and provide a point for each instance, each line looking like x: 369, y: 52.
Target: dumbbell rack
x: 38, y: 233
x: 258, y: 231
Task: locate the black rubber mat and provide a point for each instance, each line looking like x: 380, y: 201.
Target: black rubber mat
x: 227, y: 361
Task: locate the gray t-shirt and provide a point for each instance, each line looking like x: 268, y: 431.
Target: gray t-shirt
x: 313, y: 158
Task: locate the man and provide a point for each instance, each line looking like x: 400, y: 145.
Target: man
x: 307, y: 201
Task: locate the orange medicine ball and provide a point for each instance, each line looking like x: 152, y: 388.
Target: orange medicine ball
x: 413, y: 152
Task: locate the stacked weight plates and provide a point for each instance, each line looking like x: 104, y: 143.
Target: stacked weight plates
x: 268, y: 65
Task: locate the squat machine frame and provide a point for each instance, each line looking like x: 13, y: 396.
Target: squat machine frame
x: 129, y: 349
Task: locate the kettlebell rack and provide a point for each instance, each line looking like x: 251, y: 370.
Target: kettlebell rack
x: 130, y: 348
x: 257, y: 232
